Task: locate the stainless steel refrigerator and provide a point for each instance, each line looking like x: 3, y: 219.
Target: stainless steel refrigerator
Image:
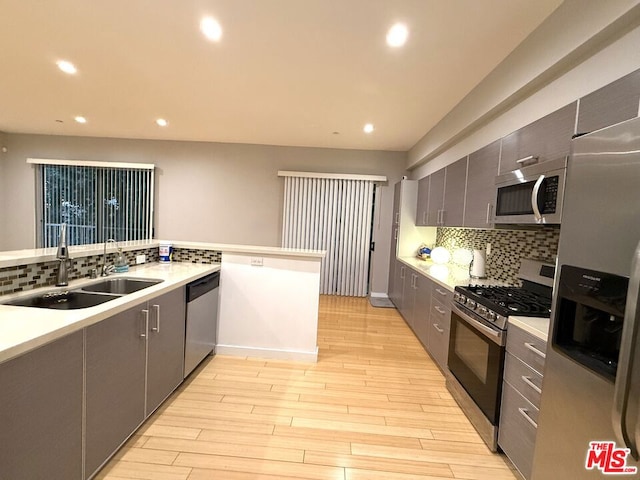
x: 591, y: 386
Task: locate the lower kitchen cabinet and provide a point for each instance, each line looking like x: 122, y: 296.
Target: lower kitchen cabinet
x: 115, y: 383
x: 398, y: 284
x: 522, y: 386
x: 166, y: 346
x: 438, y: 334
x: 41, y: 412
x: 134, y: 360
x: 422, y: 308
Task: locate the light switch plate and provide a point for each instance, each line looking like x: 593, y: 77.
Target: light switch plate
x: 256, y: 261
x: 141, y: 259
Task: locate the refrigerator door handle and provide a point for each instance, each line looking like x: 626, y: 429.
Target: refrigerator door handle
x: 625, y: 360
x: 534, y: 199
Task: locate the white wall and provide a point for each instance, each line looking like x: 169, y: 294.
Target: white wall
x: 209, y: 192
x: 583, y: 46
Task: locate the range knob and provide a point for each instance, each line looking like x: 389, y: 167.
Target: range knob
x: 482, y: 311
x: 491, y: 316
x: 470, y: 303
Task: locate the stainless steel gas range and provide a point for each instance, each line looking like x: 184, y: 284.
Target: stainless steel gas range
x: 478, y: 337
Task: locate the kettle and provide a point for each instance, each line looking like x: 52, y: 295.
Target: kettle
x: 476, y: 267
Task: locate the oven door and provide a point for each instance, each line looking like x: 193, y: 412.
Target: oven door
x: 476, y: 359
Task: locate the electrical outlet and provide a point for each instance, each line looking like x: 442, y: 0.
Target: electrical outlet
x: 256, y: 261
x: 141, y: 259
x: 488, y: 249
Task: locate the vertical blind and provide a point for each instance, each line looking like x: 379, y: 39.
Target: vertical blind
x: 96, y: 203
x: 333, y: 215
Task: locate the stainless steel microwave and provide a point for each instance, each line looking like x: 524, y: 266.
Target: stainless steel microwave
x: 531, y: 195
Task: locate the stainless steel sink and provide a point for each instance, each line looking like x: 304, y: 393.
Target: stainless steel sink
x: 63, y: 300
x: 120, y: 285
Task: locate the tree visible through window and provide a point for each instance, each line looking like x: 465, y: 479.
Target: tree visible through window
x: 96, y: 203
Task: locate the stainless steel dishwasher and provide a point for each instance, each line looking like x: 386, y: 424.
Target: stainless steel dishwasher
x: 202, y: 320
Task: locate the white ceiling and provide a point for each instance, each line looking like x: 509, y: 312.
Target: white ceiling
x: 286, y: 72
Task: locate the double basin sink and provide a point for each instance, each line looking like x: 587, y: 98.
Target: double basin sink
x: 87, y: 296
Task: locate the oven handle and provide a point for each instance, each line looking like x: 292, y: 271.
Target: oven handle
x: 534, y: 199
x: 494, y: 335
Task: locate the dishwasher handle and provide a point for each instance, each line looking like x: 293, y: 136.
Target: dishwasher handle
x: 202, y: 286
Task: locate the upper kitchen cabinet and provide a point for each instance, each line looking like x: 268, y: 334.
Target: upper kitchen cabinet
x: 436, y: 198
x: 455, y: 181
x: 548, y: 138
x: 612, y: 104
x: 481, y: 190
x: 423, y: 201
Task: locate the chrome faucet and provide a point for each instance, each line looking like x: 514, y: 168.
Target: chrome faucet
x: 63, y: 258
x: 106, y: 270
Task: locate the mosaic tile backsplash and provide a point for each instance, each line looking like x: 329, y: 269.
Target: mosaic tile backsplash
x: 43, y: 274
x: 507, y: 247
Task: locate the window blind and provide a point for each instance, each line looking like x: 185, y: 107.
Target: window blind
x: 96, y: 203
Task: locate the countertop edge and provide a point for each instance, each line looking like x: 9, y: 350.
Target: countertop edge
x: 37, y: 327
x: 21, y: 257
x: 539, y: 327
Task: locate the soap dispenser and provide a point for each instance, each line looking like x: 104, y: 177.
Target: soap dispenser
x: 121, y: 264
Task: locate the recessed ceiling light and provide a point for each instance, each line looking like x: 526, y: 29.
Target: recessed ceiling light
x: 66, y: 67
x: 80, y: 119
x: 211, y: 29
x: 397, y: 35
x: 368, y: 128
x: 162, y: 122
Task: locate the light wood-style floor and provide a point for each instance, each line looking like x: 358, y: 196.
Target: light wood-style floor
x: 374, y: 407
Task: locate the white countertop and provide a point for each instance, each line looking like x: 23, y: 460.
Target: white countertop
x: 448, y: 275
x: 25, y: 328
x: 22, y: 257
x: 535, y: 326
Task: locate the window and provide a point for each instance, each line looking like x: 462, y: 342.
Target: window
x: 96, y: 200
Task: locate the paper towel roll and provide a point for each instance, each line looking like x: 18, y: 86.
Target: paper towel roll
x: 476, y: 269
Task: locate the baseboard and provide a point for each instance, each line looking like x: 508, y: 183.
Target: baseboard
x: 378, y: 295
x: 272, y: 353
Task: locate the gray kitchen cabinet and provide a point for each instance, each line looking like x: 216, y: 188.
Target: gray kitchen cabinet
x: 422, y: 308
x: 548, y: 138
x: 521, y: 391
x: 395, y: 295
x: 436, y: 198
x: 439, y: 327
x: 423, y: 201
x: 166, y: 346
x: 455, y: 183
x: 611, y: 104
x: 481, y: 190
x: 406, y: 301
x: 41, y: 412
x: 115, y: 383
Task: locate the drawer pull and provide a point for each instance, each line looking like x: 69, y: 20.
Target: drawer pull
x: 437, y: 327
x: 440, y: 310
x: 533, y: 348
x: 525, y: 413
x: 528, y: 381
x: 441, y: 292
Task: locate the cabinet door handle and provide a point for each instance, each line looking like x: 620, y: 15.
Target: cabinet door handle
x: 441, y: 292
x: 528, y: 381
x: 442, y: 217
x: 397, y: 218
x: 395, y: 235
x: 157, y: 327
x: 437, y: 327
x: 489, y: 213
x: 440, y: 310
x: 424, y: 217
x: 530, y: 158
x: 538, y: 352
x: 402, y: 272
x: 525, y: 413
x: 145, y: 313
